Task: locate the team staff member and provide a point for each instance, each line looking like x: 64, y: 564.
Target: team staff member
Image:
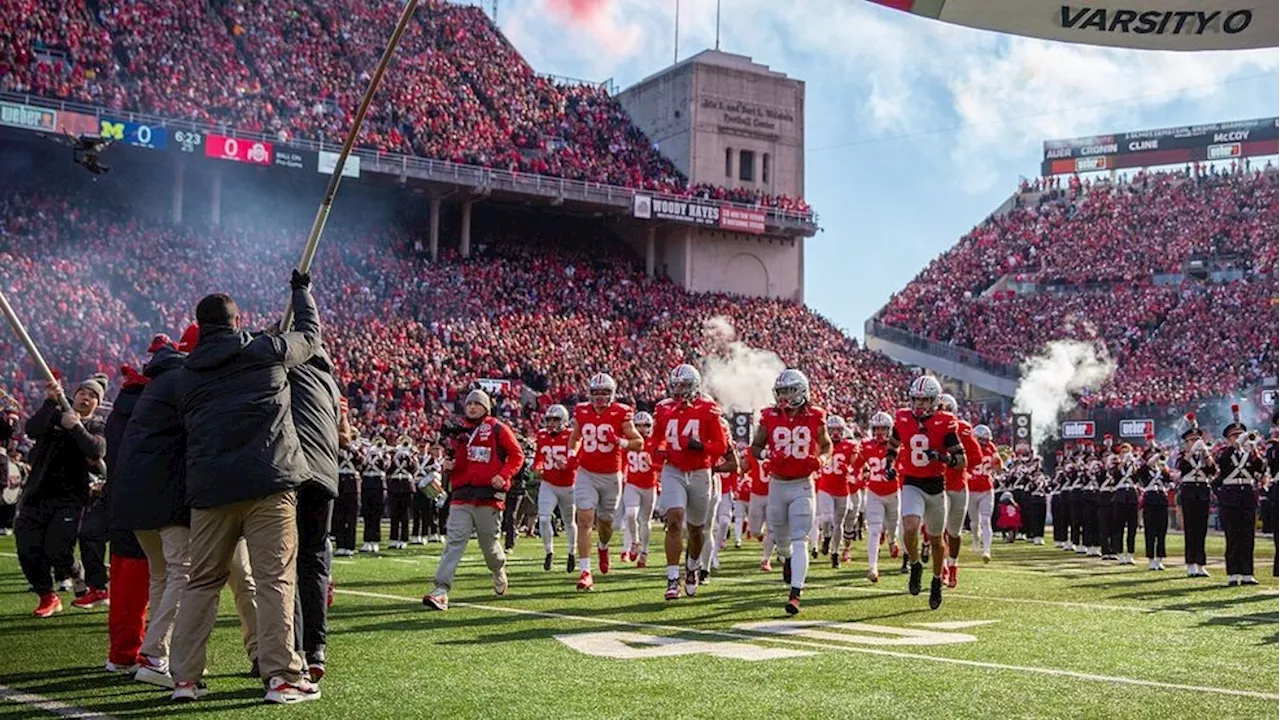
x: 68, y: 444
x: 1195, y: 467
x: 486, y: 456
x: 1239, y: 466
x: 932, y: 444
x: 795, y: 434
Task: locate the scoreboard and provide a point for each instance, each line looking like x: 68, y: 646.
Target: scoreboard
x: 1165, y: 146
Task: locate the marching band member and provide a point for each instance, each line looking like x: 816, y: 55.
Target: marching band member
x: 1106, y: 493
x: 346, y: 509
x: 1091, y: 516
x: 1124, y: 504
x: 1239, y: 465
x: 1195, y: 468
x: 403, y: 466
x: 373, y: 491
x: 425, y: 528
x: 1153, y: 476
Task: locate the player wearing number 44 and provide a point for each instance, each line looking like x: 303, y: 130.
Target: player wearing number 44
x: 794, y: 433
x: 690, y: 433
x: 603, y: 432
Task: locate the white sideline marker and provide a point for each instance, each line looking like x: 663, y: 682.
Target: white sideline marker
x: 49, y: 705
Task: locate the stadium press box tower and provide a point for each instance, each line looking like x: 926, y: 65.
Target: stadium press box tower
x: 726, y: 121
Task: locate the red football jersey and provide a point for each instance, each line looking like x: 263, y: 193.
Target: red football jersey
x: 793, y: 440
x: 742, y: 491
x: 936, y: 432
x: 956, y: 479
x: 552, y: 458
x: 675, y: 422
x: 871, y: 460
x: 601, y: 431
x: 759, y: 478
x: 644, y: 465
x: 980, y: 478
x: 833, y: 479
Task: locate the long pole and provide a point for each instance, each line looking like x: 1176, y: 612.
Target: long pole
x: 675, y: 54
x: 32, y: 350
x: 322, y: 215
x: 717, y: 24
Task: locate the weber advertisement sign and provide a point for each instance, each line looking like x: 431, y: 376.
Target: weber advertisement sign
x: 1134, y: 428
x: 1078, y: 430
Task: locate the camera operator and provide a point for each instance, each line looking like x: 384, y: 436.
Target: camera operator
x: 68, y: 445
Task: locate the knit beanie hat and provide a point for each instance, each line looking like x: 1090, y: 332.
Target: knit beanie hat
x: 96, y: 384
x: 481, y: 397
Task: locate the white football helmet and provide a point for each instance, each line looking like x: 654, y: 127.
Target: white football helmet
x: 836, y: 426
x: 556, y: 417
x: 982, y: 432
x: 602, y: 389
x: 685, y: 382
x: 881, y: 425
x: 644, y: 423
x: 791, y: 389
x: 924, y: 394
x: 947, y: 401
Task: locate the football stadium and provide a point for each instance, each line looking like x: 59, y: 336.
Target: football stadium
x: 359, y: 357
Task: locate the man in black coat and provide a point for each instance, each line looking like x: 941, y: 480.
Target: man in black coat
x: 316, y: 416
x: 148, y: 497
x: 244, y: 465
x: 67, y: 445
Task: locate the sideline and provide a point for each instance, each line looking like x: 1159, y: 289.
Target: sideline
x: 55, y: 707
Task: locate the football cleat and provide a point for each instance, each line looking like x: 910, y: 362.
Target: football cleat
x: 624, y: 556
x: 602, y: 555
x: 766, y: 565
x: 643, y: 561
x: 826, y: 546
x: 585, y: 581
x: 813, y: 553
x: 845, y: 556
x: 835, y: 561
x: 703, y: 575
x: 986, y: 558
x: 913, y: 584
x: 793, y: 603
x: 690, y: 582
x: 571, y: 564
x: 873, y: 575
x: 935, y: 594
x: 950, y: 573
x: 437, y: 599
x: 546, y: 561
x: 673, y: 589
x: 50, y: 603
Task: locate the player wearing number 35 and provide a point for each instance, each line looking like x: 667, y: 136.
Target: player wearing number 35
x: 688, y: 430
x: 794, y: 432
x: 933, y: 445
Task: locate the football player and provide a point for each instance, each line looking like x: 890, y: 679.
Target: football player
x: 955, y: 484
x: 759, y: 488
x: 602, y: 432
x: 835, y: 516
x: 694, y: 440
x: 982, y: 491
x: 795, y: 433
x: 640, y: 493
x: 724, y: 476
x: 551, y: 461
x: 741, y: 496
x: 932, y: 444
x: 883, y: 498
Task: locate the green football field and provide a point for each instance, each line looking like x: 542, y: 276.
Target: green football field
x: 1037, y: 633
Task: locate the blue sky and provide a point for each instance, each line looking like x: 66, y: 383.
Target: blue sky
x: 915, y: 129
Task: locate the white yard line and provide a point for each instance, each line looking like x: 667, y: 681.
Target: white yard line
x: 910, y: 657
x: 55, y: 707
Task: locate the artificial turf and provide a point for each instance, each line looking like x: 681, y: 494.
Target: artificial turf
x: 1054, y: 635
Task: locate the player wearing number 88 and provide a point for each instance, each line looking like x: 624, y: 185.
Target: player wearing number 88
x: 551, y: 461
x: 692, y: 440
x: 932, y: 445
x: 795, y: 434
x: 602, y: 433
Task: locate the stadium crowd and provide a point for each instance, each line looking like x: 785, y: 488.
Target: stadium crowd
x: 1093, y: 252
x: 460, y: 91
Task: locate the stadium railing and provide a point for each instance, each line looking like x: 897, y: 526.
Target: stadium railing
x: 428, y: 169
x: 941, y: 350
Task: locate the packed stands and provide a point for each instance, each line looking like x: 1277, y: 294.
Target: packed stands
x: 457, y: 91
x: 544, y: 302
x: 1095, y: 252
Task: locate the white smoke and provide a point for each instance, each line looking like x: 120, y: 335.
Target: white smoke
x: 737, y: 375
x: 1052, y: 380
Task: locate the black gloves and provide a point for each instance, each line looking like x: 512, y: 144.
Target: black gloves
x: 300, y: 281
x: 694, y: 444
x: 891, y: 473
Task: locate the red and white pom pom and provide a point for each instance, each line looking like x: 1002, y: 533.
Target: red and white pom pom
x: 1235, y: 412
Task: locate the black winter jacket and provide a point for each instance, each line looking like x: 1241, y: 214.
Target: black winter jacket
x: 61, y: 459
x: 150, y: 489
x: 314, y: 399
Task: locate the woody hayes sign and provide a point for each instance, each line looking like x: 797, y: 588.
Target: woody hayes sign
x: 647, y: 207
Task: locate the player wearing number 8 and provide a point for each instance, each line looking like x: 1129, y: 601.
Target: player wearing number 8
x: 692, y: 440
x: 795, y: 434
x: 933, y: 444
x: 602, y: 433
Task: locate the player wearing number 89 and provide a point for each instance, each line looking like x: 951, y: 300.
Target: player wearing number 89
x: 955, y: 484
x: 932, y: 445
x: 551, y: 461
x: 602, y: 433
x: 693, y: 441
x: 795, y: 434
x: 883, y: 499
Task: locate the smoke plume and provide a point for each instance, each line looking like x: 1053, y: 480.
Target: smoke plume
x: 737, y: 375
x: 1053, y: 380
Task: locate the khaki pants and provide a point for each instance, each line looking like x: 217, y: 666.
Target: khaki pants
x: 270, y: 530
x: 486, y: 522
x: 169, y: 560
